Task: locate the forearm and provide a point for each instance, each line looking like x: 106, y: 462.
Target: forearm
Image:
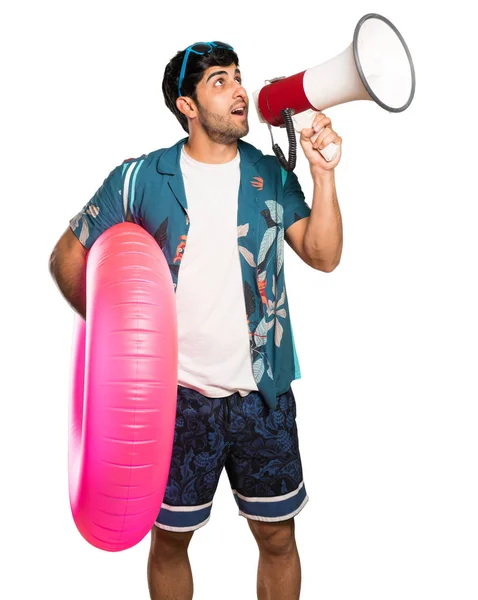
x: 69, y: 273
x: 323, y: 236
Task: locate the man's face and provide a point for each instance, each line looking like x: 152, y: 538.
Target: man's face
x: 219, y: 93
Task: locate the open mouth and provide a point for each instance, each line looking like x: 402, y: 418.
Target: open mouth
x: 239, y: 112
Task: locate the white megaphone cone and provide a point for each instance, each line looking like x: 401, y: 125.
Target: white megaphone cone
x: 376, y: 66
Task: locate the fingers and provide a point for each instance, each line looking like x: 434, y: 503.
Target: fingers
x: 306, y: 132
x: 319, y: 136
x: 320, y: 120
x: 325, y: 138
x: 322, y: 125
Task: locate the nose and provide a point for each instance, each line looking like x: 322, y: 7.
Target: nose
x: 240, y: 92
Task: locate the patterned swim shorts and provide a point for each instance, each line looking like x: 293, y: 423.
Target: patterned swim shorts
x: 258, y: 446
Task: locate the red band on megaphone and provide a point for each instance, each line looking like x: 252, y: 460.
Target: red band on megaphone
x: 284, y: 93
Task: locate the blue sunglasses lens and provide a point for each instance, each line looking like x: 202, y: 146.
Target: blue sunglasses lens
x: 202, y: 48
x: 199, y: 48
x: 223, y: 45
x: 205, y: 48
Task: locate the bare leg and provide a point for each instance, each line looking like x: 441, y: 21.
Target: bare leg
x: 169, y: 572
x: 279, y: 571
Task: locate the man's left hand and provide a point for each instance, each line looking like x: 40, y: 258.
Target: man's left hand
x: 317, y: 162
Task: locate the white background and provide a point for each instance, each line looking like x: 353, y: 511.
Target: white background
x: 387, y: 411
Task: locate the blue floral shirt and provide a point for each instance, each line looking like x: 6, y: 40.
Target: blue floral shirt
x: 149, y: 191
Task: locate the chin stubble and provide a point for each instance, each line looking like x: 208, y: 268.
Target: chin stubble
x: 220, y: 129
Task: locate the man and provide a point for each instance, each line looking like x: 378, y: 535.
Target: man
x: 220, y: 210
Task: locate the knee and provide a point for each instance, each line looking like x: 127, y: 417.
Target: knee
x: 274, y: 538
x: 167, y: 545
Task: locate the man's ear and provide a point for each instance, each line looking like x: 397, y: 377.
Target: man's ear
x: 185, y: 105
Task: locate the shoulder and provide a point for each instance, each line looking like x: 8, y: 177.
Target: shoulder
x: 150, y: 159
x: 140, y: 167
x: 143, y: 159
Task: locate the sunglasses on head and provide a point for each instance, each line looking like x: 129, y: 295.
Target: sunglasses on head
x: 199, y: 48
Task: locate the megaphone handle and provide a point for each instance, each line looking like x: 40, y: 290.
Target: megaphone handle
x: 330, y: 151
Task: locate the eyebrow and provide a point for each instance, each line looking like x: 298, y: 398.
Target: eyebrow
x: 221, y: 73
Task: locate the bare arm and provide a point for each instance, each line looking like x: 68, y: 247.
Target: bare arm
x: 323, y: 237
x: 318, y: 238
x: 68, y: 269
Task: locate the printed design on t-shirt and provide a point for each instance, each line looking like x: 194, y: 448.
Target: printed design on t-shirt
x: 180, y: 248
x: 276, y: 312
x: 250, y: 302
x: 257, y: 337
x: 260, y: 360
x: 91, y: 210
x: 272, y: 307
x: 259, y: 183
x: 273, y: 239
x: 161, y: 235
x: 261, y: 284
x: 242, y: 231
x: 274, y: 215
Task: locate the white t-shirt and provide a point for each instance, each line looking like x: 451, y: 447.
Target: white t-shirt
x: 213, y: 335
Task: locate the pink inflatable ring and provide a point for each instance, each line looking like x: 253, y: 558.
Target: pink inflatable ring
x: 124, y: 389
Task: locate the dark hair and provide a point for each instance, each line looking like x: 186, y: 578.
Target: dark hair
x: 197, y: 64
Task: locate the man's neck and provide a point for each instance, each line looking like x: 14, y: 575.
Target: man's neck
x: 207, y: 151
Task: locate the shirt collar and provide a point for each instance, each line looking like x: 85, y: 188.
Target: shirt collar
x: 169, y: 161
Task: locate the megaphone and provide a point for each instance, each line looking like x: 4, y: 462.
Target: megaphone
x: 376, y: 66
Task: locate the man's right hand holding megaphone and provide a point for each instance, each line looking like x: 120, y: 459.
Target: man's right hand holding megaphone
x: 376, y: 66
x: 315, y: 139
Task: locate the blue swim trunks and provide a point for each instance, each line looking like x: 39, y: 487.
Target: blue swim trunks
x: 258, y: 446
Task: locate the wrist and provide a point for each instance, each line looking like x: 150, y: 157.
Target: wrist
x: 321, y: 176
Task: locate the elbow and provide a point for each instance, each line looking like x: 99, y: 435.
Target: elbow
x: 326, y: 267
x: 55, y: 260
x: 326, y: 264
x: 51, y: 264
